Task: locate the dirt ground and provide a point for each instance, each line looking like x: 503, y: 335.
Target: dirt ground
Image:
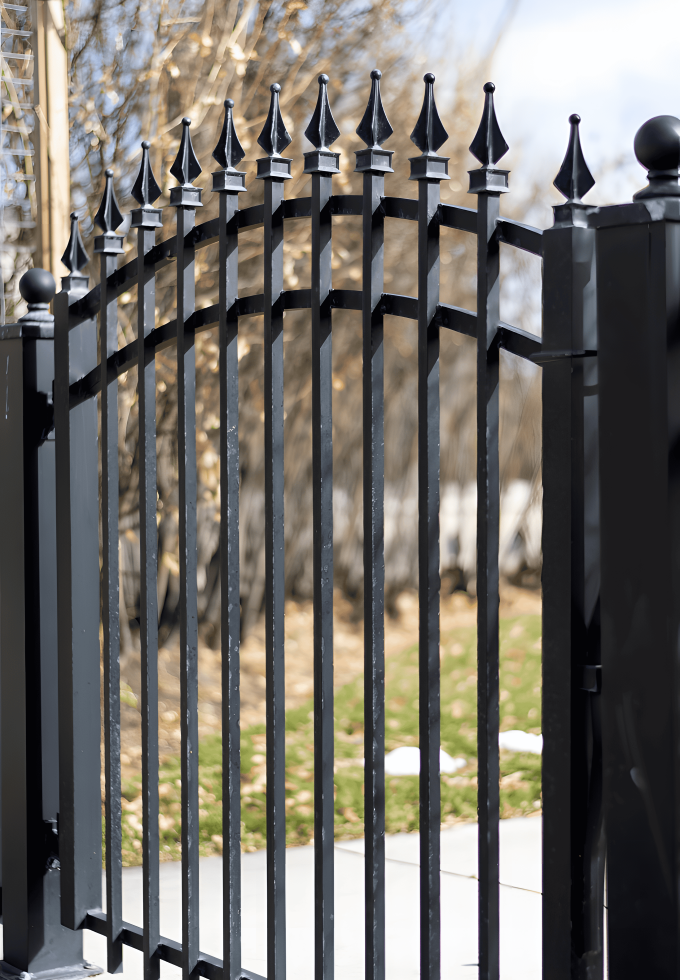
x: 401, y: 632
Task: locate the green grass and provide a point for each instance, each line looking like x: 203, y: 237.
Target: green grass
x: 520, y: 773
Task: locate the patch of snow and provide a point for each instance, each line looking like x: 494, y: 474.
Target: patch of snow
x: 518, y: 741
x: 405, y: 761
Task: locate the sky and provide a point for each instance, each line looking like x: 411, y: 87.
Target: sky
x: 615, y: 62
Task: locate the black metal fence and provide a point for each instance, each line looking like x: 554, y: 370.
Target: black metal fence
x: 609, y: 706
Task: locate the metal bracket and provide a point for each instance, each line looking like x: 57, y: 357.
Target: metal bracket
x: 544, y: 357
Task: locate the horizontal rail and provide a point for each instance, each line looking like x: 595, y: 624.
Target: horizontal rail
x: 169, y: 951
x: 520, y: 236
x: 510, y: 338
x: 518, y: 341
x: 464, y: 219
x: 513, y: 233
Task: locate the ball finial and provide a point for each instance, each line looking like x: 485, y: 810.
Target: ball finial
x: 574, y: 119
x: 275, y: 87
x: 428, y: 77
x: 657, y: 147
x: 186, y: 121
x: 323, y: 79
x: 657, y: 143
x: 489, y: 87
x: 37, y: 286
x: 108, y: 173
x: 376, y: 73
x: 228, y: 103
x: 145, y: 144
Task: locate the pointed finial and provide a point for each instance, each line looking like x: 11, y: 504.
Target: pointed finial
x: 108, y: 217
x: 229, y: 154
x: 145, y: 190
x: 429, y: 133
x: 186, y: 167
x: 574, y: 178
x: 375, y: 127
x: 322, y: 129
x: 228, y: 151
x: 274, y: 137
x: 488, y: 145
x: 75, y: 258
x: 185, y: 170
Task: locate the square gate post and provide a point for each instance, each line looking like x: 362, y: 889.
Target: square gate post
x: 638, y: 262
x: 78, y: 596
x: 573, y: 834
x: 35, y: 942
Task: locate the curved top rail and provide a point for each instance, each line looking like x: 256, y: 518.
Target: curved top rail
x: 510, y: 232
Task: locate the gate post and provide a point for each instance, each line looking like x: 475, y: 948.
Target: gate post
x: 573, y: 837
x: 638, y: 260
x: 35, y: 942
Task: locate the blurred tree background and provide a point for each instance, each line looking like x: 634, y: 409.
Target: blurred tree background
x: 136, y: 68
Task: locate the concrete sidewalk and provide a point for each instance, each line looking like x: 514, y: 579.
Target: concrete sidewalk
x: 520, y: 907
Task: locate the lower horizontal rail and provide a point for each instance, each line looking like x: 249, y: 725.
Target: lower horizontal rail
x: 455, y: 318
x: 168, y: 950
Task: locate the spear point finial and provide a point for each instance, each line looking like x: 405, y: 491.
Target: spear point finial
x: 186, y: 167
x: 488, y: 145
x: 145, y: 190
x: 274, y: 137
x: 574, y: 178
x: 228, y: 151
x: 375, y: 127
x: 75, y: 258
x: 108, y: 217
x: 322, y: 129
x: 429, y: 133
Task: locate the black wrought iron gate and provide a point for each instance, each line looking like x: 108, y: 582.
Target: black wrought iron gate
x: 611, y: 309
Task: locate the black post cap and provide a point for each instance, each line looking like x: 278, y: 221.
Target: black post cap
x: 657, y: 148
x: 37, y: 286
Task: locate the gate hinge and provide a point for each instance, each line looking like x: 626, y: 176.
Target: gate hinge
x: 592, y: 678
x: 51, y: 845
x: 44, y: 414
